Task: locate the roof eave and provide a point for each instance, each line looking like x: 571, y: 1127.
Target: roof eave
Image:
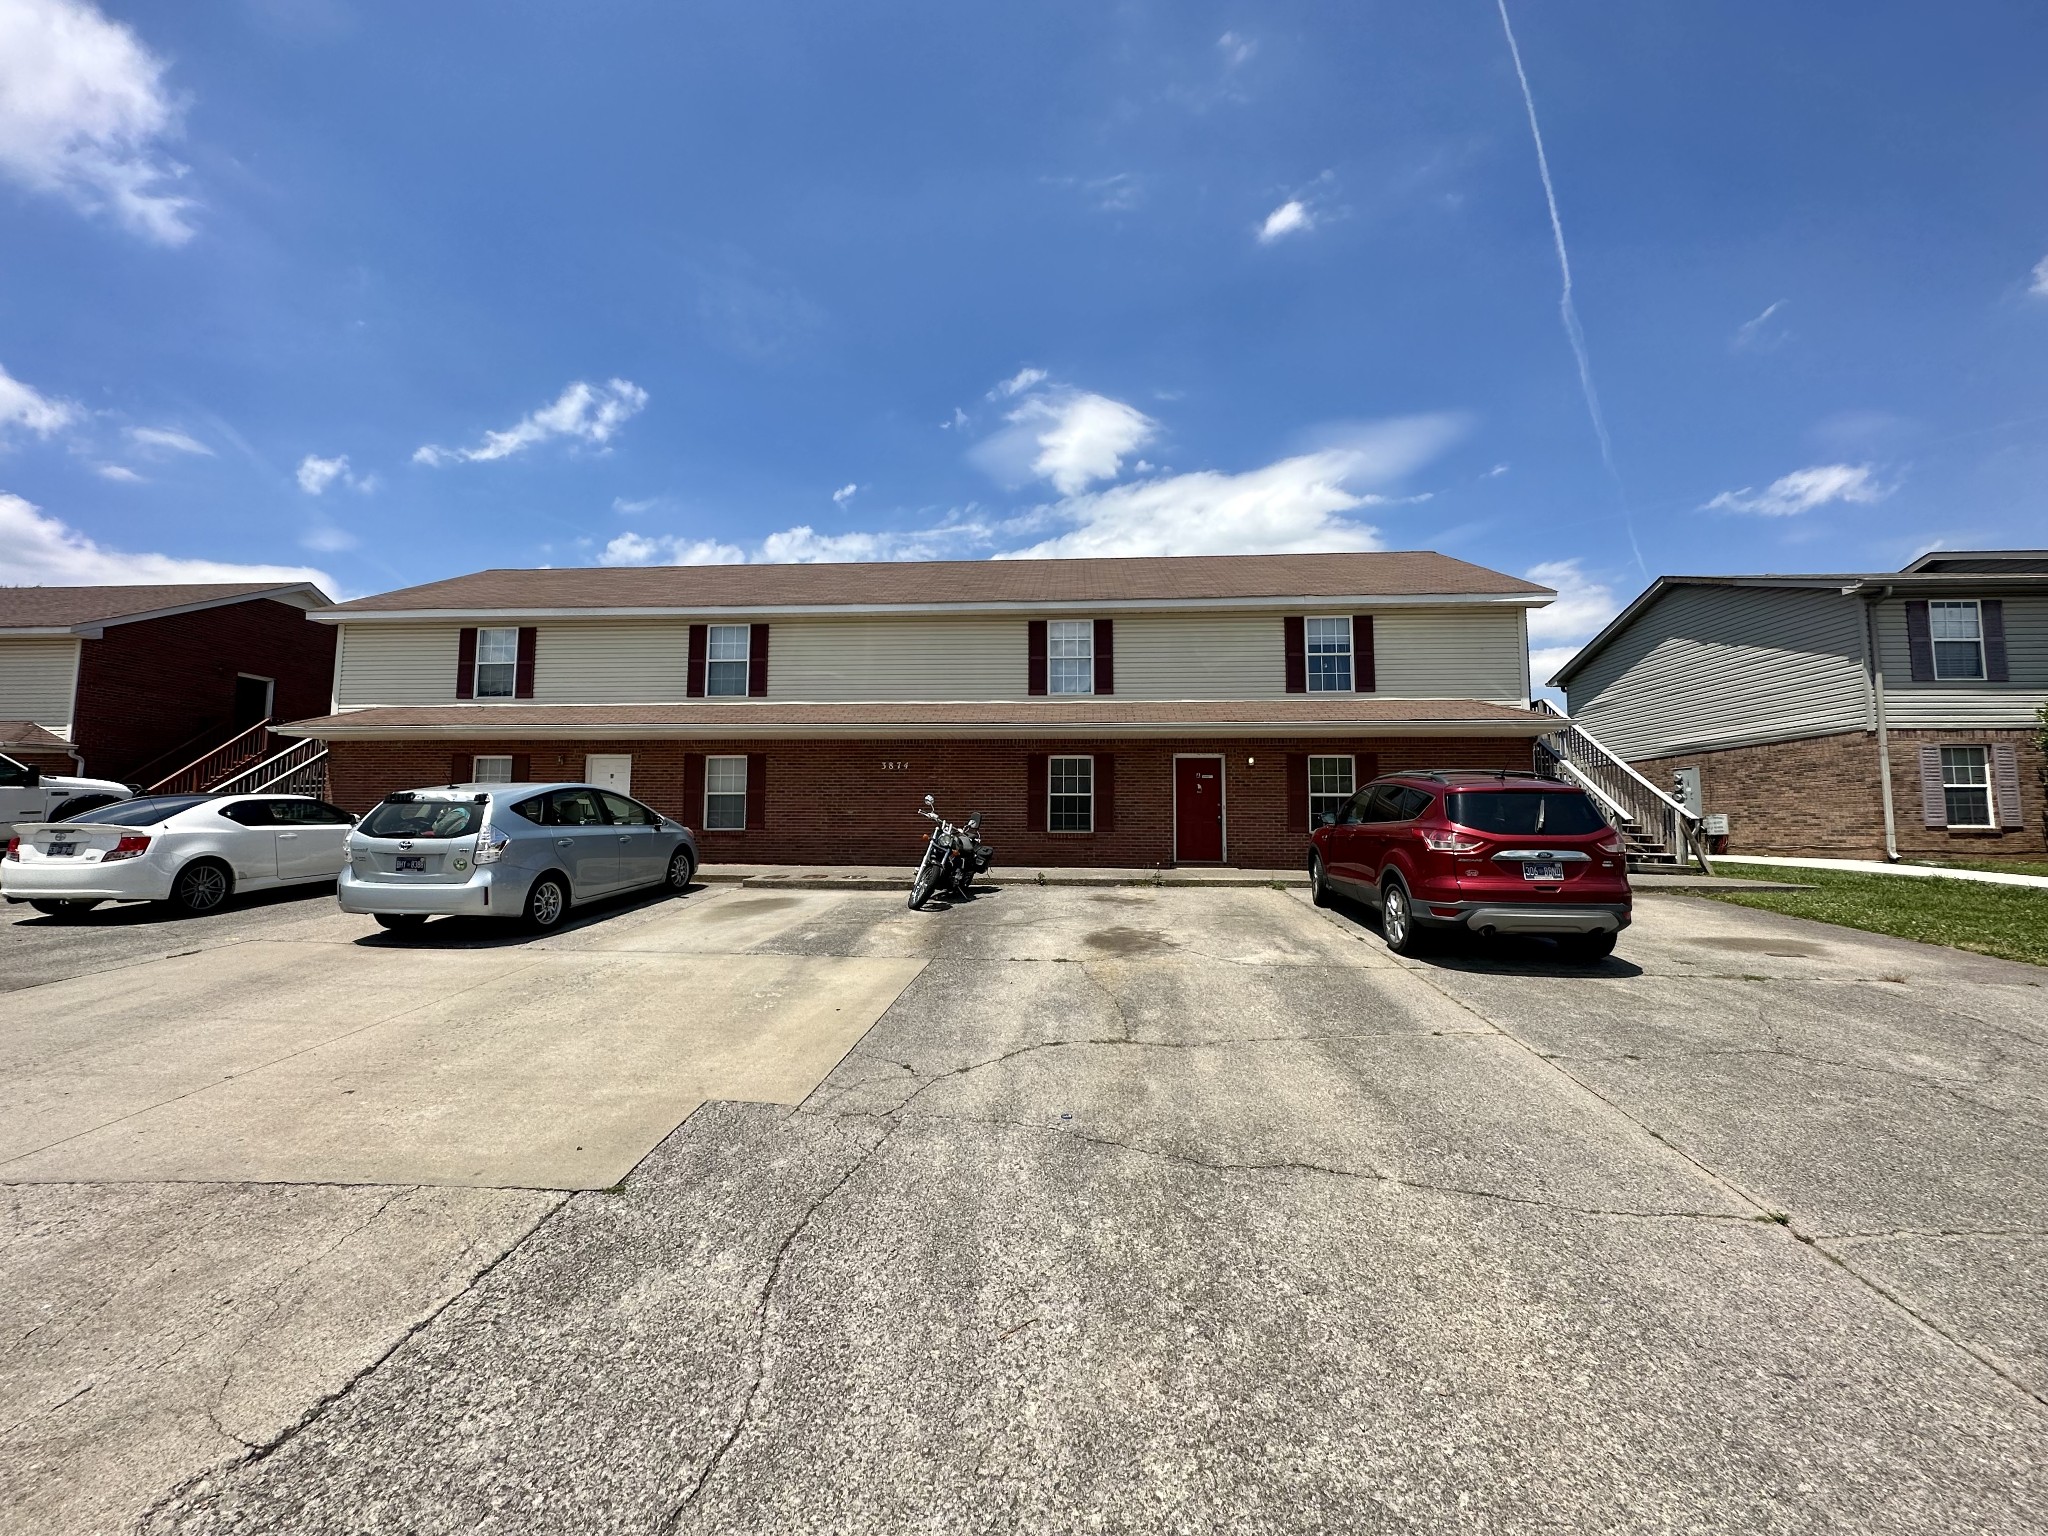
x: 899, y: 731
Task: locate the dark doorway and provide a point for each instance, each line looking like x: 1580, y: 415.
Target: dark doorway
x: 1198, y: 810
x: 252, y: 700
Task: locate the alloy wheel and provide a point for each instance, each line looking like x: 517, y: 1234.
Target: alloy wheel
x: 202, y: 887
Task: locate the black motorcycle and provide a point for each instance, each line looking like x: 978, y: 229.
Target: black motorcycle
x: 953, y: 856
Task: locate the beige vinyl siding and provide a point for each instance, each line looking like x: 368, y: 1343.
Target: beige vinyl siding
x: 395, y: 664
x: 39, y: 682
x: 1721, y: 666
x: 1450, y: 653
x: 618, y: 661
x: 845, y: 660
x: 1201, y: 656
x: 1950, y: 703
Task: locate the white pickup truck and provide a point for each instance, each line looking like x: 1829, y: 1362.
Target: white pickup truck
x: 30, y: 794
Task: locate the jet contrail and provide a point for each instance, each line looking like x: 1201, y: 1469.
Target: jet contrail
x: 1572, y: 330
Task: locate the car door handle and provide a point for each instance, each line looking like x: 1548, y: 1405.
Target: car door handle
x: 287, y: 834
x: 564, y: 842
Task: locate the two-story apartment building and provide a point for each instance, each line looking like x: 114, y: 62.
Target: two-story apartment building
x: 1887, y: 714
x: 1126, y: 712
x: 121, y: 680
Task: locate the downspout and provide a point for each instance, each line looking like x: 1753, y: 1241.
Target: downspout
x: 1873, y: 664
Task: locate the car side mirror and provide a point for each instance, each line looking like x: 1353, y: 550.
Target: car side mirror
x: 35, y: 778
x: 1327, y: 819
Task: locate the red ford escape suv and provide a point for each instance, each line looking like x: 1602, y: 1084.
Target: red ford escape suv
x: 1487, y: 852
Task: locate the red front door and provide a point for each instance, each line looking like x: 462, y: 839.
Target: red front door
x: 1198, y: 810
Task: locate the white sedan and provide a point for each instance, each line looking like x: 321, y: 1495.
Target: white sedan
x: 193, y: 851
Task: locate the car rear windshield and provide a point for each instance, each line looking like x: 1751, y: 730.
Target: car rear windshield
x: 1524, y: 812
x: 143, y: 812
x: 423, y: 818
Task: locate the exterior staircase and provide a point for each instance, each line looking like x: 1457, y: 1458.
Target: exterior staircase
x: 1658, y: 833
x: 251, y: 762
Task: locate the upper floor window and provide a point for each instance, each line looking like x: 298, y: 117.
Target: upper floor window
x: 1329, y: 655
x: 725, y: 670
x: 1070, y: 656
x: 497, y: 663
x: 1957, y: 629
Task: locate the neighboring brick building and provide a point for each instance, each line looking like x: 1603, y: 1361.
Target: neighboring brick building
x: 1116, y: 712
x: 127, y: 678
x: 1789, y: 695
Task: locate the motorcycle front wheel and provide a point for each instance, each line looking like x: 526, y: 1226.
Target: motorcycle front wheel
x: 921, y: 887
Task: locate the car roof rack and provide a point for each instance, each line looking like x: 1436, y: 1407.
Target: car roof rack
x: 1470, y: 775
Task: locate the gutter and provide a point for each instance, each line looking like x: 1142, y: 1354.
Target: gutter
x: 1873, y: 666
x: 597, y: 730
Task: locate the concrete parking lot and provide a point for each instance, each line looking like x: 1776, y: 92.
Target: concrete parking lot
x: 1127, y: 1210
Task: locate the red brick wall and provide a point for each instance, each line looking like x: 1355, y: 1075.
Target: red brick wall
x: 833, y: 801
x: 1819, y: 798
x: 148, y: 687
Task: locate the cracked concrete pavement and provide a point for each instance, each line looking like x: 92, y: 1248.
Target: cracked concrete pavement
x: 1175, y: 1210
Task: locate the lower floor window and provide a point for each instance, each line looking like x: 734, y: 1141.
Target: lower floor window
x: 1966, y: 786
x: 1329, y: 786
x: 725, y: 794
x: 490, y: 770
x: 1070, y: 782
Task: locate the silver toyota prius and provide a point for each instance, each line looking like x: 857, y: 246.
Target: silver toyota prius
x: 527, y: 851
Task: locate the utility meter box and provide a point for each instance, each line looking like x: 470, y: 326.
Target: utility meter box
x: 1714, y: 826
x: 1685, y: 789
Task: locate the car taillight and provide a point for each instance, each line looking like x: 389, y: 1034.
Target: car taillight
x: 491, y: 847
x: 1611, y: 843
x: 127, y: 848
x: 14, y: 849
x: 1450, y: 842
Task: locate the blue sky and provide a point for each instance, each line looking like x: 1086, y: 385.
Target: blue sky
x: 393, y: 292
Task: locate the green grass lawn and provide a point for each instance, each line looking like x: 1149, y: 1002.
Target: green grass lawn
x: 2005, y: 866
x: 2009, y: 921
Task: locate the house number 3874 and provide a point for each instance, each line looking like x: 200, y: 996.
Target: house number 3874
x: 894, y: 767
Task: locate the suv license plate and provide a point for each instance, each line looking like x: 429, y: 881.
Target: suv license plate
x: 63, y: 850
x: 1542, y: 871
x: 415, y: 864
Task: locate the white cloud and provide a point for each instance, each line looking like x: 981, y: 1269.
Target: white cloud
x: 1495, y: 473
x: 84, y: 114
x: 590, y: 413
x: 1068, y: 437
x: 1291, y: 217
x: 168, y: 440
x: 845, y: 493
x: 1016, y: 384
x: 803, y: 545
x: 118, y: 472
x: 328, y: 539
x: 634, y: 508
x: 316, y: 474
x: 2039, y: 285
x: 1582, y: 605
x: 1758, y: 335
x: 1803, y: 490
x: 28, y: 408
x: 1236, y: 48
x: 36, y: 550
x: 1544, y: 660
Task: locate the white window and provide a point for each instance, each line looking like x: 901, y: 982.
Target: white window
x: 1070, y: 656
x: 1070, y: 789
x: 1329, y: 655
x: 1329, y: 786
x: 725, y: 794
x: 1957, y: 629
x: 490, y: 770
x: 1966, y: 786
x: 497, y: 663
x: 725, y: 672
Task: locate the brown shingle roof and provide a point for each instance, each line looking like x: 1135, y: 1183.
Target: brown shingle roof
x: 26, y: 735
x: 66, y: 607
x: 1063, y: 717
x: 1408, y: 573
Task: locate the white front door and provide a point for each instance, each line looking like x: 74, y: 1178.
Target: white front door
x: 609, y: 771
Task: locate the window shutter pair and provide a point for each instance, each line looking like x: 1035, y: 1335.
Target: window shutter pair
x: 2005, y: 786
x: 757, y: 790
x: 522, y: 674
x: 1920, y: 644
x: 700, y: 659
x: 1037, y: 646
x: 1364, y: 667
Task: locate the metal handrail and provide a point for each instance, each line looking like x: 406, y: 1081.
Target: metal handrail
x: 236, y: 786
x: 1625, y: 793
x: 219, y: 760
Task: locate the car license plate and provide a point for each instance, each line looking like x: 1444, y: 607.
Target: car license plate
x: 412, y: 864
x: 63, y: 850
x: 1542, y: 871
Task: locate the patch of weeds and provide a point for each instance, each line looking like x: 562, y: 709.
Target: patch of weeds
x: 614, y: 1189
x: 2009, y: 921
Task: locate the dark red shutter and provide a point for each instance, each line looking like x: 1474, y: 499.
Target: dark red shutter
x: 529, y: 649
x: 1995, y: 669
x: 1297, y: 792
x: 1363, y: 677
x: 1297, y: 653
x: 1920, y: 647
x: 700, y: 649
x: 1035, y: 639
x: 693, y: 790
x: 522, y: 768
x: 1105, y: 656
x: 1365, y: 767
x: 461, y: 767
x: 1034, y: 792
x: 1105, y: 787
x: 757, y: 787
x: 757, y: 662
x: 465, y: 665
